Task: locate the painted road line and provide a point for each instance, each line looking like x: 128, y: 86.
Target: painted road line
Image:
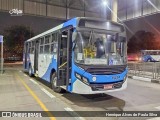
x: 68, y: 109
x: 35, y: 97
x: 25, y: 75
x: 33, y: 81
x: 74, y: 114
x: 48, y: 93
x: 158, y: 107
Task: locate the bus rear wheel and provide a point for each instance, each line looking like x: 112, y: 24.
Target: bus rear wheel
x: 54, y: 86
x: 149, y: 60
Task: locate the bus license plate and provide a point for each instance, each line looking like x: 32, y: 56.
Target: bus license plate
x: 108, y: 86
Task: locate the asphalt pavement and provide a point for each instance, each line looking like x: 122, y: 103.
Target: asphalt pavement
x: 19, y: 92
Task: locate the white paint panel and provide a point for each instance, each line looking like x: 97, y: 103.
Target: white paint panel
x: 41, y: 65
x: 91, y: 14
x: 30, y: 7
x: 158, y: 4
x: 130, y: 13
x: 122, y: 14
x: 11, y: 5
x: 4, y: 4
x: 44, y: 61
x: 40, y: 9
x: 146, y: 9
x: 75, y: 13
x: 54, y: 11
x: 137, y: 9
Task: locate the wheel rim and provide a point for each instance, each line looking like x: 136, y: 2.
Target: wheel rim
x: 54, y: 82
x: 30, y: 71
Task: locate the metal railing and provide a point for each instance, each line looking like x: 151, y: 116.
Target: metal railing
x: 145, y: 69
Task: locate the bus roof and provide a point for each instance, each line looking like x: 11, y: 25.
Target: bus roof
x: 72, y: 22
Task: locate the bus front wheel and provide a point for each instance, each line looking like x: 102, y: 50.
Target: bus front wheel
x: 54, y: 86
x: 30, y: 71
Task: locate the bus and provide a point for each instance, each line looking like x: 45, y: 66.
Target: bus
x: 82, y: 55
x: 150, y: 55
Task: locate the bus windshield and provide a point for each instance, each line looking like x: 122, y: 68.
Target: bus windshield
x: 100, y: 48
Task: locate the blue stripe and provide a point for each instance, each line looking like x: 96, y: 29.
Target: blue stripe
x: 72, y: 22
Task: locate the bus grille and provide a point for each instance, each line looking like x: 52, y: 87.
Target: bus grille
x: 99, y: 87
x: 107, y: 70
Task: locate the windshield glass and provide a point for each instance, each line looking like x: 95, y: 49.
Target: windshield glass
x: 100, y: 48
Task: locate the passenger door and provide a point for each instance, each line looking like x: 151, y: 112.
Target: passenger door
x: 64, y: 57
x: 36, y: 55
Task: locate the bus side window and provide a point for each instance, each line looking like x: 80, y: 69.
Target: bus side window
x: 41, y: 45
x: 54, y: 37
x: 29, y: 47
x: 41, y: 49
x: 42, y: 41
x: 53, y: 48
x: 46, y: 48
x: 47, y: 39
x: 54, y: 43
x: 33, y: 46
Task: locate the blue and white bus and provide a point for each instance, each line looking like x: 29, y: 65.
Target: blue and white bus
x: 150, y: 55
x: 82, y: 55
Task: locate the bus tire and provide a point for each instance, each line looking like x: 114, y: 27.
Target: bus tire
x: 149, y: 60
x: 53, y: 84
x: 30, y: 71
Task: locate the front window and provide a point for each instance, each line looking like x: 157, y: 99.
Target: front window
x: 100, y: 48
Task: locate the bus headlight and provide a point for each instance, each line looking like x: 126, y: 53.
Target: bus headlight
x: 78, y: 76
x: 83, y: 79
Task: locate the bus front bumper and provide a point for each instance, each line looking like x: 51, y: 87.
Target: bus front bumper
x: 81, y: 88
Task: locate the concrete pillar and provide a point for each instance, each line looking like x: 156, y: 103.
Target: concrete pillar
x: 114, y: 10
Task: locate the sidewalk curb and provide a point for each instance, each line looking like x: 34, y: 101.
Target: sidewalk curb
x: 144, y: 79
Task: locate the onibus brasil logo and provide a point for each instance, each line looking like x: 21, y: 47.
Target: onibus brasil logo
x: 16, y: 12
